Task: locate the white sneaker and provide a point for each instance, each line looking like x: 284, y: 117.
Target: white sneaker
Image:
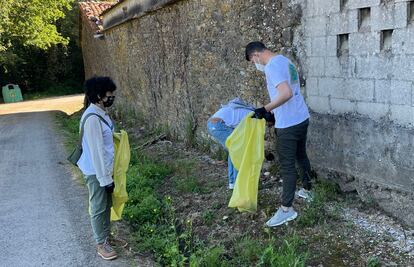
x: 231, y: 186
x: 305, y: 194
x: 282, y: 217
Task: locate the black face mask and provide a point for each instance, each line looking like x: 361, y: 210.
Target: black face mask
x: 109, y: 101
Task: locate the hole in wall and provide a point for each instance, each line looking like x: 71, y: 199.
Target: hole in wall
x: 411, y: 11
x: 343, y: 4
x: 386, y: 40
x: 342, y: 45
x: 364, y: 19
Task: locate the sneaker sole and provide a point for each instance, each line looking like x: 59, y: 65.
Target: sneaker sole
x: 107, y: 258
x: 283, y: 222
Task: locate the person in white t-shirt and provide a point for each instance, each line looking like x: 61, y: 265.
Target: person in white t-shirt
x: 222, y: 124
x: 97, y: 159
x: 292, y: 120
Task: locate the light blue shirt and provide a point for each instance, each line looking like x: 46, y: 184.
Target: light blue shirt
x: 233, y: 112
x: 278, y: 70
x: 97, y: 146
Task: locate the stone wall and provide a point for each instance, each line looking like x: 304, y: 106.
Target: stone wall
x: 358, y: 57
x: 178, y: 64
x: 174, y: 66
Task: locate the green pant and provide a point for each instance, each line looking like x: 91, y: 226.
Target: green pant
x: 100, y: 203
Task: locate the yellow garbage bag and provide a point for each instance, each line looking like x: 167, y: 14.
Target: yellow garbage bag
x: 246, y: 148
x: 121, y: 163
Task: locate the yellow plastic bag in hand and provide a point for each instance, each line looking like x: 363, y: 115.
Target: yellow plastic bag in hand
x: 121, y: 163
x: 246, y: 148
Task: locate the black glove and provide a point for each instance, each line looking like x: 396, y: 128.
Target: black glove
x: 269, y: 117
x: 259, y: 113
x: 110, y: 188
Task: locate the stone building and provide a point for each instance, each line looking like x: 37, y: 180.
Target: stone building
x: 175, y: 61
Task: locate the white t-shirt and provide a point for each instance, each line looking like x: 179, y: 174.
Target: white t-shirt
x: 231, y: 116
x: 278, y: 70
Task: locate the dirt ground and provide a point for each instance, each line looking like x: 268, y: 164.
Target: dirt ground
x: 67, y: 104
x: 357, y: 233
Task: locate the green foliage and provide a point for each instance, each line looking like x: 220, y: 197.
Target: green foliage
x: 39, y: 47
x: 184, y: 179
x: 246, y: 251
x: 209, y: 257
x: 188, y: 184
x: 208, y: 217
x: 315, y: 211
x: 190, y: 135
x: 32, y: 23
x: 286, y: 254
x: 373, y: 262
x: 70, y: 125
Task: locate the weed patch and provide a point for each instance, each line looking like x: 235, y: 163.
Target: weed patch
x: 315, y: 211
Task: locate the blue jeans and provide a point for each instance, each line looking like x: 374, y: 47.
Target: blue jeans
x: 220, y: 132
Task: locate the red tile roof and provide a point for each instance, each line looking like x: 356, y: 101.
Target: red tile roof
x: 92, y: 11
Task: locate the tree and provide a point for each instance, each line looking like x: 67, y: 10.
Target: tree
x: 39, y: 47
x: 31, y: 23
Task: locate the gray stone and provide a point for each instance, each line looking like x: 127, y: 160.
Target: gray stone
x: 403, y: 41
x: 340, y: 106
x: 331, y: 46
x: 316, y: 66
x: 312, y: 87
x: 353, y: 4
x: 318, y: 104
x: 375, y: 67
x: 364, y: 43
x: 401, y: 15
x: 403, y: 115
x: 400, y: 92
x: 382, y: 17
x: 318, y: 47
x: 375, y: 111
x: 377, y: 153
x: 334, y: 87
x: 403, y: 67
x: 383, y: 91
x: 315, y: 26
x: 345, y: 22
x: 360, y: 90
x: 339, y: 66
x: 321, y: 7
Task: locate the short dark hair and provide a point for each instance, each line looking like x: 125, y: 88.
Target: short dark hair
x: 96, y: 88
x: 253, y: 47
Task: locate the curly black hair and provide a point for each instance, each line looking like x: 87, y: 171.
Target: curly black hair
x: 96, y: 88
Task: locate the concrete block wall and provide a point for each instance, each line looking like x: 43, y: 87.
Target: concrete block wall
x: 361, y: 92
x: 367, y: 79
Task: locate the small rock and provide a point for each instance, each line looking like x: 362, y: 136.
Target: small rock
x: 225, y: 218
x: 266, y: 173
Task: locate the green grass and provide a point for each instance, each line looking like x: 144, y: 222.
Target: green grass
x: 315, y: 211
x: 70, y: 126
x: 285, y: 254
x: 156, y: 228
x: 373, y: 262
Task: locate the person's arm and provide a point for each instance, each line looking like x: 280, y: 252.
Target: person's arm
x: 284, y: 94
x: 94, y: 138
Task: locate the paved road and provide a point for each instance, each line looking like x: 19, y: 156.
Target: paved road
x: 43, y: 211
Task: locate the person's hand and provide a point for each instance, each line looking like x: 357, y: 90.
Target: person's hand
x: 270, y: 119
x: 110, y: 188
x: 259, y: 113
